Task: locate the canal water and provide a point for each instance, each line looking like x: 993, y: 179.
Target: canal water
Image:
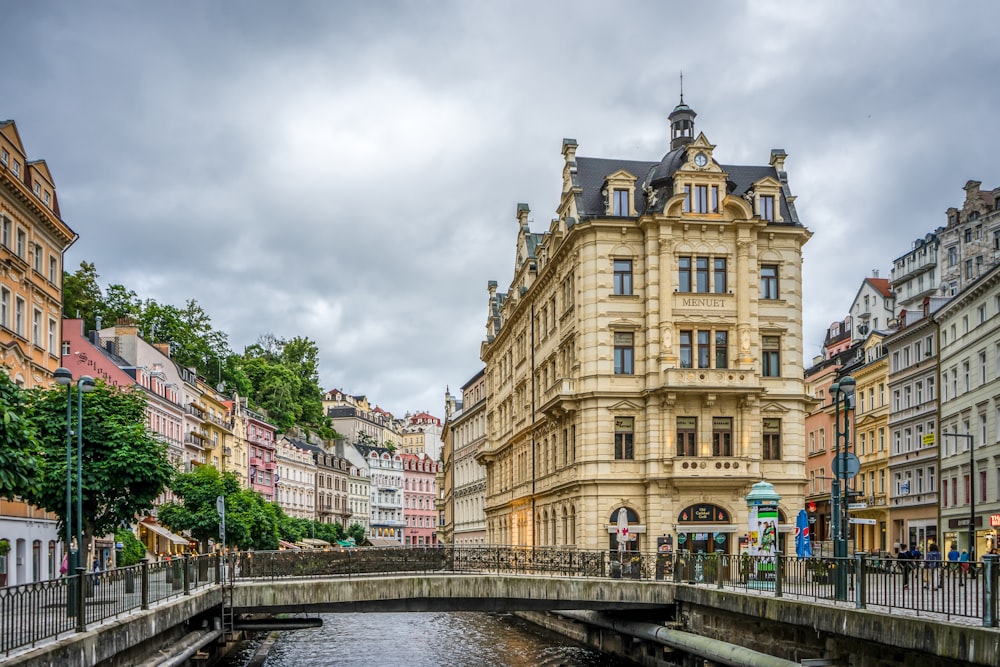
x: 456, y: 639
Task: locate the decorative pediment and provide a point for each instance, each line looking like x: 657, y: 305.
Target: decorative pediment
x: 773, y: 408
x: 624, y: 406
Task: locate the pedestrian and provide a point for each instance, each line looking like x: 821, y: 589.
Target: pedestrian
x: 903, y: 557
x: 963, y: 562
x: 916, y: 563
x: 97, y: 574
x: 953, y: 565
x: 64, y: 568
x: 933, y: 566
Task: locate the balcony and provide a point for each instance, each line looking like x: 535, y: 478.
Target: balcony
x: 194, y: 411
x: 194, y: 439
x: 256, y: 462
x: 694, y: 471
x: 719, y: 379
x: 268, y: 465
x: 260, y: 440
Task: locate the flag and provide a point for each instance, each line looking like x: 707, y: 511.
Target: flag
x: 803, y: 547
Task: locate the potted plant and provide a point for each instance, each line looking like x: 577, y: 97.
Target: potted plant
x: 4, y: 550
x: 820, y: 571
x: 635, y: 566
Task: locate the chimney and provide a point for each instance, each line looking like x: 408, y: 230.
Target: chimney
x: 163, y: 348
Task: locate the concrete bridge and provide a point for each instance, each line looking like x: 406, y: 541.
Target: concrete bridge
x: 784, y: 621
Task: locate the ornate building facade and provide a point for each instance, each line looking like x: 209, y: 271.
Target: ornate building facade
x: 648, y: 354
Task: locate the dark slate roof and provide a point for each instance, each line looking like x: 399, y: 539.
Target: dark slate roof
x: 592, y: 172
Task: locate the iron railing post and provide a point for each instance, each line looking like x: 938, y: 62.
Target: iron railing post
x: 861, y: 577
x: 81, y: 600
x: 779, y: 573
x: 720, y: 563
x: 144, y: 584
x: 991, y: 579
x: 186, y: 564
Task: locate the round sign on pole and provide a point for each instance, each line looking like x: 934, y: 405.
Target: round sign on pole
x: 850, y: 463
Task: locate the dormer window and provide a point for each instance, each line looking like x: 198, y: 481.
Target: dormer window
x: 766, y: 207
x: 4, y: 156
x: 620, y: 202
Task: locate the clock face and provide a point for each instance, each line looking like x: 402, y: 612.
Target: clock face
x: 700, y: 160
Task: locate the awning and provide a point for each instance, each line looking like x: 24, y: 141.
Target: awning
x: 163, y: 532
x: 383, y: 542
x: 313, y: 542
x: 288, y: 545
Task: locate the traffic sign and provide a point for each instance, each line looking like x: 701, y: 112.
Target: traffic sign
x: 863, y: 522
x: 851, y: 465
x: 857, y: 506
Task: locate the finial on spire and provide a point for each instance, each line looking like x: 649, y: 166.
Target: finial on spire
x: 682, y: 86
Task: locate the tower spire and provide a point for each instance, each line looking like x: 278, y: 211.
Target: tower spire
x: 682, y: 86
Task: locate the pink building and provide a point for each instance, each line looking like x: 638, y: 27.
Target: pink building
x: 419, y: 494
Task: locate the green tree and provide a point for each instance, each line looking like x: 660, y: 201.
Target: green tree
x: 19, y: 450
x: 251, y: 521
x: 196, y: 511
x: 133, y: 550
x: 82, y: 294
x: 356, y: 531
x: 118, y: 303
x: 125, y: 467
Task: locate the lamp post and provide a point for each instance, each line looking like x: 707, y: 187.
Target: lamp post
x: 972, y: 489
x: 85, y: 384
x: 842, y: 391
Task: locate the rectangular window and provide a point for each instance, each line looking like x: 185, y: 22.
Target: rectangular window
x: 15, y: 167
x: 621, y: 203
x: 704, y: 348
x: 19, y: 317
x: 685, y: 344
x: 769, y: 281
x: 687, y: 434
x: 683, y: 274
x: 36, y: 328
x: 722, y: 349
x: 21, y: 238
x: 719, y: 275
x: 5, y: 234
x: 687, y: 199
x: 37, y: 258
x: 701, y: 198
x: 715, y: 199
x: 624, y: 353
x: 624, y: 435
x: 5, y: 308
x: 771, y: 443
x: 767, y: 207
x: 722, y: 436
x: 623, y: 277
x: 771, y: 357
x: 53, y: 269
x: 4, y: 156
x: 701, y: 274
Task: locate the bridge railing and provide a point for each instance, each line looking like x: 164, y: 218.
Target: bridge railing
x: 40, y: 611
x: 963, y: 590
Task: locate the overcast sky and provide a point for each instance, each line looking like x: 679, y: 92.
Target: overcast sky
x: 349, y: 171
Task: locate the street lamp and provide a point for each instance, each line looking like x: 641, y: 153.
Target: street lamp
x: 972, y: 489
x: 85, y: 384
x: 842, y: 391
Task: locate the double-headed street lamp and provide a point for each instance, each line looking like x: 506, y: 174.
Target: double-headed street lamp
x: 971, y: 439
x: 843, y: 390
x: 84, y: 385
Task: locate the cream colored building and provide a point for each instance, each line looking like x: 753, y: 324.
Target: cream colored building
x: 969, y: 329
x: 463, y: 496
x: 647, y: 354
x: 295, y: 479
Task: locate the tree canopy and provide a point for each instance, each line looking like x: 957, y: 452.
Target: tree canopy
x: 19, y: 449
x: 125, y: 467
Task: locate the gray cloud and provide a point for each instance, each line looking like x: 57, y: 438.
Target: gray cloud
x: 349, y: 172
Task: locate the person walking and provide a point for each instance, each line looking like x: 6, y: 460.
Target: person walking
x: 953, y: 557
x: 963, y: 563
x: 933, y: 566
x: 903, y: 557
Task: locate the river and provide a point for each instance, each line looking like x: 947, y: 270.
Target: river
x: 455, y: 639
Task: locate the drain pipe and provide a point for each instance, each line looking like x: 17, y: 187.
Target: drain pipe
x: 721, y: 652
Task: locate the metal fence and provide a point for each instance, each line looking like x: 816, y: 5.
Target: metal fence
x: 34, y: 612
x: 44, y: 610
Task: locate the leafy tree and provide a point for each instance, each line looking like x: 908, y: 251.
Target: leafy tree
x: 19, y: 450
x: 120, y: 302
x: 197, y: 511
x: 251, y: 521
x: 133, y: 551
x: 82, y: 295
x: 125, y: 467
x: 356, y: 531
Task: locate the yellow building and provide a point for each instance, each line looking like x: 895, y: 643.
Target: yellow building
x: 648, y: 354
x: 219, y: 439
x: 870, y: 499
x: 33, y: 238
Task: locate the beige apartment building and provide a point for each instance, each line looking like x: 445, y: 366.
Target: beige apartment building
x: 647, y: 354
x: 462, y: 483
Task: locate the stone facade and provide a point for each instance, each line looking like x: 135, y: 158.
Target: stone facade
x: 647, y: 354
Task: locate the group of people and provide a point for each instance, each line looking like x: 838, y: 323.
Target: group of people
x: 932, y: 564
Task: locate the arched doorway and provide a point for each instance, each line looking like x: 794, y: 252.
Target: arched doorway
x: 635, y: 531
x: 705, y: 528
